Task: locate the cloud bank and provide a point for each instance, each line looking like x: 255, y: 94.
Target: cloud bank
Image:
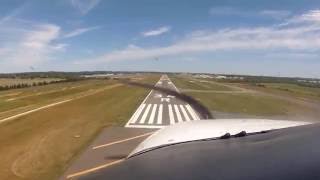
x: 297, y: 34
x: 25, y: 44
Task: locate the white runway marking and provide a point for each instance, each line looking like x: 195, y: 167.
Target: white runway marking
x: 137, y: 114
x: 145, y: 99
x: 184, y: 113
x: 178, y: 113
x: 165, y: 99
x: 146, y: 126
x: 153, y: 113
x: 160, y: 111
x: 145, y: 114
x: 174, y: 85
x: 171, y: 117
x: 193, y: 114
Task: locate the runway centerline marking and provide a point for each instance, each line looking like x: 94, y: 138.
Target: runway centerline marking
x: 94, y: 169
x: 121, y: 141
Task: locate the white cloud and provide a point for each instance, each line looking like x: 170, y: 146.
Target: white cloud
x: 276, y: 14
x: 309, y: 17
x: 231, y: 11
x: 4, y: 51
x: 41, y: 36
x: 290, y: 55
x: 84, y: 6
x: 14, y: 13
x: 30, y: 47
x: 297, y: 38
x: 156, y: 32
x: 80, y: 31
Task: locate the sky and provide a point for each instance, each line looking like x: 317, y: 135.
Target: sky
x: 260, y: 37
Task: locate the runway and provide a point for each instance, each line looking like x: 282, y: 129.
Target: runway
x: 114, y: 144
x: 159, y: 110
x: 111, y: 147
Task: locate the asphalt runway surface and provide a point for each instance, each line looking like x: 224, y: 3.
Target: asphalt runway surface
x: 110, y: 147
x: 159, y: 109
x: 114, y: 144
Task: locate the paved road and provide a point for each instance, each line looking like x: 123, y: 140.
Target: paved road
x: 159, y: 110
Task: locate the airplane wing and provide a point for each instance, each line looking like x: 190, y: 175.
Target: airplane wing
x: 282, y: 150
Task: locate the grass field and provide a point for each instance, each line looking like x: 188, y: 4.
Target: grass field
x: 296, y: 90
x: 247, y: 102
x: 187, y: 83
x: 13, y: 81
x: 12, y: 101
x: 42, y: 144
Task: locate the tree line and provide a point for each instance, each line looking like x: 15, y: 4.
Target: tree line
x: 40, y: 83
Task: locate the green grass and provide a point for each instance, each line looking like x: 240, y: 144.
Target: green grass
x: 13, y: 81
x: 51, y: 93
x: 186, y: 83
x: 294, y: 89
x: 249, y: 104
x: 40, y: 145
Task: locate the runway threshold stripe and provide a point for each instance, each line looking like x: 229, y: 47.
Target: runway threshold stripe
x: 153, y: 113
x: 145, y: 114
x: 171, y: 117
x: 184, y: 112
x: 160, y: 111
x: 178, y: 113
x: 145, y: 126
x: 193, y: 114
x: 81, y: 173
x: 137, y: 114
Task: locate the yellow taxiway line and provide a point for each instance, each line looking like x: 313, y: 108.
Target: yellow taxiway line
x: 94, y: 169
x: 123, y: 140
x: 80, y: 173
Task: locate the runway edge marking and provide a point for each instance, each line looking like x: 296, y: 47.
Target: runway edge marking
x: 143, y: 102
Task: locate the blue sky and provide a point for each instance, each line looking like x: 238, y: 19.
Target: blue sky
x: 260, y: 37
